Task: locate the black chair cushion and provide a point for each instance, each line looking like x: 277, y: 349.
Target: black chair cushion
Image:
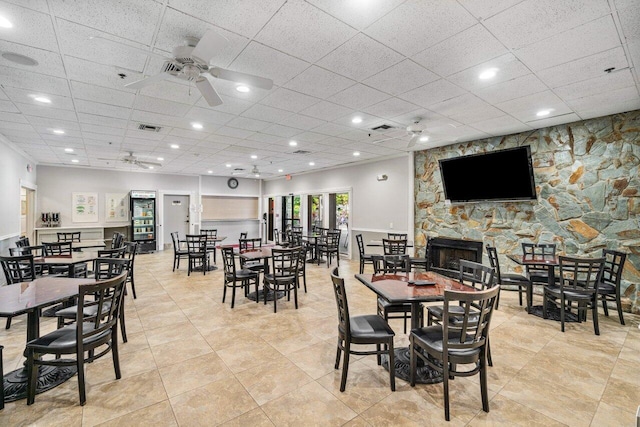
x: 432, y: 337
x: 369, y: 327
x: 570, y: 294
x: 513, y: 277
x: 72, y: 312
x: 606, y: 289
x: 64, y: 339
x: 394, y: 307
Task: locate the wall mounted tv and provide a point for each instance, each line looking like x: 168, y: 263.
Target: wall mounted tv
x: 494, y: 176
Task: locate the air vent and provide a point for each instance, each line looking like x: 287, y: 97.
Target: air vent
x: 382, y: 128
x: 302, y: 152
x: 149, y: 128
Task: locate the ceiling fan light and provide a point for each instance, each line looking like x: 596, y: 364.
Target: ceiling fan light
x: 253, y: 156
x: 75, y: 161
x: 228, y: 165
x: 488, y: 74
x: 175, y: 146
x: 5, y: 23
x: 356, y: 120
x: 312, y: 164
x: 243, y: 88
x: 293, y: 143
x: 280, y: 170
x: 424, y: 139
x: 68, y: 150
x: 160, y: 159
x: 356, y: 153
x: 42, y: 99
x: 543, y: 113
x: 196, y: 125
x: 58, y: 131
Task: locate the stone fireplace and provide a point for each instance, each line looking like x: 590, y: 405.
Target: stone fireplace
x: 444, y: 254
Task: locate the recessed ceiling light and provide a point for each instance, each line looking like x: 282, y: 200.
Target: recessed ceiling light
x: 58, y: 131
x: 68, y: 150
x: 312, y: 164
x: 75, y: 161
x: 356, y: 153
x: 196, y: 125
x: 209, y: 171
x: 19, y: 59
x: 543, y: 113
x: 293, y: 143
x: 160, y: 159
x: 228, y: 165
x: 243, y: 88
x: 150, y: 167
x: 42, y: 99
x: 257, y: 175
x: 356, y: 120
x: 5, y: 23
x: 424, y: 139
x: 280, y: 170
x: 175, y: 146
x: 253, y: 156
x: 488, y: 74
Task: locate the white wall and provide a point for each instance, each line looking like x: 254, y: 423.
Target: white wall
x: 13, y: 171
x: 217, y: 186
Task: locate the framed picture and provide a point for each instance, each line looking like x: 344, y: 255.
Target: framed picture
x: 116, y: 208
x: 84, y: 207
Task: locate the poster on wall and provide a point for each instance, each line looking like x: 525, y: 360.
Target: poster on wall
x: 84, y: 207
x: 116, y: 207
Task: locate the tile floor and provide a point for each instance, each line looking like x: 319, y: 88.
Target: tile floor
x: 191, y: 360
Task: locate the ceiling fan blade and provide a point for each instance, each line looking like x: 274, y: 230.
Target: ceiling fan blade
x: 238, y: 77
x: 413, y: 141
x: 209, y: 45
x: 148, y: 81
x: 109, y: 160
x: 140, y: 162
x: 208, y: 92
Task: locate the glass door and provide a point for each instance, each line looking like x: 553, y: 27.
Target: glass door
x: 315, y: 211
x: 339, y: 218
x: 290, y: 212
x: 144, y: 227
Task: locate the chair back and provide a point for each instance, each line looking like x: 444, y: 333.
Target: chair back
x: 36, y: 251
x: 302, y: 262
x: 107, y: 296
x: 342, y: 303
x: 391, y: 264
x: 580, y: 275
x: 57, y: 248
x: 229, y: 260
x: 196, y: 243
x: 476, y: 275
x: 332, y: 239
x: 467, y: 330
x: 69, y: 236
x: 394, y: 246
x: 112, y: 253
x: 176, y: 241
x: 116, y: 240
x: 397, y: 236
x: 540, y: 251
x: 492, y: 253
x: 249, y: 244
x: 296, y: 228
x: 211, y: 233
x: 360, y: 245
x: 285, y: 262
x: 22, y: 242
x: 131, y: 248
x: 613, y: 266
x: 18, y: 268
x: 296, y: 238
x: 243, y: 235
x: 106, y: 268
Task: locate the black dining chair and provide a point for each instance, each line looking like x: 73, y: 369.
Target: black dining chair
x: 360, y: 330
x: 212, y: 235
x: 178, y: 252
x: 88, y: 333
x: 364, y: 257
x: 64, y: 249
x: 523, y: 283
x: 609, y: 286
x: 397, y: 236
x: 116, y: 240
x: 579, y: 281
x: 73, y: 236
x: 329, y: 246
x: 17, y: 269
x: 461, y: 339
x: 197, y: 253
x: 393, y: 264
x: 131, y: 248
x: 234, y: 278
x: 539, y: 274
x: 283, y: 275
x: 245, y: 245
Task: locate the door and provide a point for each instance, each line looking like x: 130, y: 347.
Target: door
x: 270, y: 223
x: 27, y: 217
x: 339, y: 205
x: 175, y: 210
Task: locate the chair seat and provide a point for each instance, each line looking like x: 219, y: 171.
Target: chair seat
x: 432, y: 337
x: 64, y: 339
x: 253, y: 265
x: 243, y: 274
x: 366, y: 257
x: 571, y: 294
x: 394, y: 307
x: 513, y: 278
x: 418, y: 261
x: 606, y: 289
x: 369, y: 328
x: 89, y: 311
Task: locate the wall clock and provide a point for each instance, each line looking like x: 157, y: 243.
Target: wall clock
x: 232, y: 183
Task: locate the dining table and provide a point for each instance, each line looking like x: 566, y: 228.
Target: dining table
x: 264, y: 254
x: 67, y: 260
x: 30, y: 298
x: 413, y: 288
x: 312, y: 241
x: 211, y: 245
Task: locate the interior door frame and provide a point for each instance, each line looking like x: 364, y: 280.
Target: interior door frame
x: 160, y: 213
x: 31, y: 219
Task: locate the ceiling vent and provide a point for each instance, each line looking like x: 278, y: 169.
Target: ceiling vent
x: 149, y: 128
x: 302, y: 152
x: 382, y: 128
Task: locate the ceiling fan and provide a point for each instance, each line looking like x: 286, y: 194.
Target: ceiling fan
x: 133, y: 160
x: 255, y: 172
x: 418, y: 133
x: 192, y: 62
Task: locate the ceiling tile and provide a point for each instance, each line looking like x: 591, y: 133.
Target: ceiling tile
x: 282, y: 131
x: 30, y: 28
x: 264, y: 138
x: 358, y: 97
x: 48, y: 62
x: 207, y: 115
x: 92, y: 73
x: 390, y: 108
x: 508, y: 67
x: 472, y: 46
x: 526, y: 107
x: 602, y: 84
x: 596, y: 36
x: 267, y: 62
x: 46, y: 111
x: 289, y: 100
x: 606, y: 98
x: 262, y: 112
x: 613, y: 108
x: 191, y: 134
x: 503, y: 125
x: 27, y: 97
x: 416, y: 25
x: 248, y: 124
x: 554, y: 121
x: 401, y: 77
x: 12, y: 77
x: 358, y: 14
x: 332, y: 129
x: 172, y: 90
x: 534, y: 20
x: 319, y: 82
x: 359, y: 58
x: 102, y: 95
x: 233, y: 132
x: 230, y: 105
x: 102, y: 109
x: 326, y: 110
x: 161, y: 106
x: 511, y: 89
x: 307, y: 29
x: 102, y: 120
x: 15, y: 117
x: 53, y: 123
x: 106, y: 130
x: 487, y: 8
x: 432, y: 93
x: 301, y: 122
x: 629, y: 15
x: 467, y: 109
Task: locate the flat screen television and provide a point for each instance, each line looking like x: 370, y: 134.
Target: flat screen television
x: 495, y: 176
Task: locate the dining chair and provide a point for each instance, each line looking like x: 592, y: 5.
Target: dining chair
x: 394, y: 246
x: 280, y: 238
x: 609, y: 286
x: 116, y: 240
x: 513, y: 279
x: 364, y: 257
x: 234, y: 278
x: 178, y: 252
x: 112, y: 253
x: 245, y: 245
x: 329, y: 245
x: 63, y: 249
x: 461, y: 339
x: 579, y: 281
x: 302, y: 268
x: 17, y: 269
x: 393, y: 264
x: 397, y: 236
x: 131, y: 248
x: 196, y: 253
x: 212, y: 235
x: 89, y: 332
x: 69, y: 236
x: 243, y: 235
x: 283, y: 275
x: 360, y: 330
x: 539, y: 274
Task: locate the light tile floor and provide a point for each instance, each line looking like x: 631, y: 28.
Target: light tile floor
x: 192, y: 360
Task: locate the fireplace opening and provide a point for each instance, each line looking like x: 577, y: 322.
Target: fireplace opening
x: 444, y: 254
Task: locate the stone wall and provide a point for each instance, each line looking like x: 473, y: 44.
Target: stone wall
x: 588, y: 186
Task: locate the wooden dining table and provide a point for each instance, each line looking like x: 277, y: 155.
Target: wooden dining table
x: 400, y: 288
x: 30, y: 298
x: 548, y: 261
x: 67, y: 260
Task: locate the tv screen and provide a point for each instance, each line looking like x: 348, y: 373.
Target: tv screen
x: 498, y: 175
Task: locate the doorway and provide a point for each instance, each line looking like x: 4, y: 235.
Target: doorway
x: 290, y: 212
x: 27, y: 216
x: 270, y: 223
x: 175, y: 209
x: 315, y: 210
x: 339, y: 218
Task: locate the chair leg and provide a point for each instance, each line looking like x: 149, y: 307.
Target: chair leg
x: 413, y: 363
x: 619, y: 306
x: 8, y: 325
x: 174, y: 263
x: 256, y: 285
x: 361, y: 266
x: 32, y: 377
x: 392, y: 366
x: 345, y: 365
x: 594, y: 305
x: 123, y: 326
x: 224, y: 292
x: 1, y: 383
x: 378, y: 354
x: 115, y: 355
x: 295, y: 295
x: 304, y: 280
x: 489, y: 360
x: 544, y: 305
x: 338, y: 354
x: 81, y: 384
x: 604, y: 307
x: 519, y: 296
x: 133, y: 287
x: 483, y: 386
x: 233, y: 294
x: 445, y: 384
x: 562, y: 311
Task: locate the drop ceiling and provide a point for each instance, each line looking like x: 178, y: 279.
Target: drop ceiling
x: 385, y: 61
